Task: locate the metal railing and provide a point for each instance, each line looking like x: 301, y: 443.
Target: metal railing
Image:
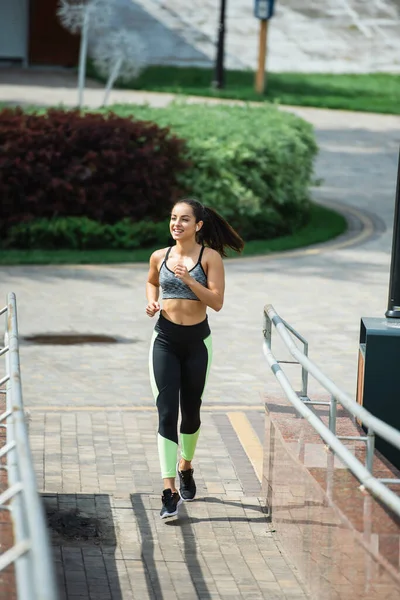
x: 364, y: 474
x: 31, y: 552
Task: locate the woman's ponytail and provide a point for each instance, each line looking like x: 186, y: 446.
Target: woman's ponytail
x: 216, y: 233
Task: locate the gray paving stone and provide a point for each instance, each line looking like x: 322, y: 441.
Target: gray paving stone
x: 146, y: 558
x: 82, y: 453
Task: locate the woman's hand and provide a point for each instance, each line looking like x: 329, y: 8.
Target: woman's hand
x: 152, y: 308
x: 182, y: 273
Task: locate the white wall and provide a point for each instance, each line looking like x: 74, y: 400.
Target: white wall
x: 13, y: 29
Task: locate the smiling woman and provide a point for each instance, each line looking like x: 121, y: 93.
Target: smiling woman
x: 191, y: 276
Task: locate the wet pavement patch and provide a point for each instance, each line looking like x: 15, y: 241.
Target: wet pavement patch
x: 76, y: 527
x: 70, y: 339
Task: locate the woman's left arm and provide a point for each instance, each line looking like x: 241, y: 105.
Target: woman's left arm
x: 213, y: 294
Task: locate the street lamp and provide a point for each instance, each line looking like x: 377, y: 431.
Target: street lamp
x: 218, y: 82
x: 393, y: 310
x: 264, y: 11
x: 379, y: 352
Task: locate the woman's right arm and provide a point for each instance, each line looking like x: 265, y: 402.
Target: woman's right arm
x: 153, y: 284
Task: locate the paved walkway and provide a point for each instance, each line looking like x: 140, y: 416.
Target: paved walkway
x: 93, y: 420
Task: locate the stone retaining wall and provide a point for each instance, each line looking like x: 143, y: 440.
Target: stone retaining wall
x: 344, y: 543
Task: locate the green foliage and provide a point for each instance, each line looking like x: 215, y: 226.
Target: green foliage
x: 324, y: 224
x: 81, y: 233
x: 254, y: 165
x: 64, y: 163
x: 371, y: 92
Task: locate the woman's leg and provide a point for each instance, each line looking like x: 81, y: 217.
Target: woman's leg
x: 194, y: 372
x: 165, y: 373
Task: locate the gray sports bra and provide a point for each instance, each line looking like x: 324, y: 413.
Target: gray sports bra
x: 172, y: 287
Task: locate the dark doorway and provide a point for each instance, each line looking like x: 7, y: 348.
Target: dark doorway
x: 49, y: 42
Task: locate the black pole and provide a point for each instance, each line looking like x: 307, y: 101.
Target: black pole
x: 219, y: 63
x: 393, y: 310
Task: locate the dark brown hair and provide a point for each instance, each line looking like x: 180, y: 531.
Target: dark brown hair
x: 216, y: 232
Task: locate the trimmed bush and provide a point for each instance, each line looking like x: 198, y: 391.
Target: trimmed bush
x: 81, y: 233
x: 103, y: 167
x: 128, y: 165
x: 254, y: 165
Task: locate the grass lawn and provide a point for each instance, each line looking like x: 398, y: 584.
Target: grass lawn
x: 375, y: 92
x: 324, y: 225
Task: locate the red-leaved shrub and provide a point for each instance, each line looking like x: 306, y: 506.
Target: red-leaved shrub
x: 105, y: 167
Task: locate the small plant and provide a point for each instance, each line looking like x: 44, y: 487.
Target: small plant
x: 121, y: 54
x: 79, y: 17
x: 118, y: 53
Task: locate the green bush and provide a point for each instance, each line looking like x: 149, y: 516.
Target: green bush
x: 104, y: 167
x: 254, y: 165
x: 81, y: 233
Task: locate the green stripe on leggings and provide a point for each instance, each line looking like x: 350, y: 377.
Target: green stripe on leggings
x: 153, y: 383
x: 208, y: 345
x: 167, y: 451
x: 188, y: 444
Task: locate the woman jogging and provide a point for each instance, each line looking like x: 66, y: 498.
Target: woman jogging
x: 191, y: 276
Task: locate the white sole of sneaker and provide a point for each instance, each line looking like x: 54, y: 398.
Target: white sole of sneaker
x: 168, y: 515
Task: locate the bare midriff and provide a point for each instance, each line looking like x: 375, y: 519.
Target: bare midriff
x: 184, y: 312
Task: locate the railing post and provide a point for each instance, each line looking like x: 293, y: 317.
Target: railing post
x: 35, y: 574
x: 23, y: 564
x: 267, y: 329
x: 304, y: 374
x: 364, y: 473
x: 332, y: 414
x: 330, y: 470
x: 370, y: 449
x: 367, y: 523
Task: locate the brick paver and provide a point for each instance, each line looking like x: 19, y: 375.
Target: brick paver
x: 106, y: 466
x: 88, y: 454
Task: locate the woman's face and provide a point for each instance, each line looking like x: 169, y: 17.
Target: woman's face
x: 183, y: 222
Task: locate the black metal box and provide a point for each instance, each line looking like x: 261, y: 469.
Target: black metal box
x: 378, y: 385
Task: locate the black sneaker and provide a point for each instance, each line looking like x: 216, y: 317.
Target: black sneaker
x: 170, y: 502
x: 187, y: 487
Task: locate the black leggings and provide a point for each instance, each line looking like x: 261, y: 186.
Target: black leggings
x: 179, y: 362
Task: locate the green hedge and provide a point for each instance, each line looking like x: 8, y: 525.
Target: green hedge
x: 81, y: 233
x: 254, y: 165
x: 104, y: 167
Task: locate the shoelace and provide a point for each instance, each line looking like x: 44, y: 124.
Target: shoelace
x: 186, y: 475
x: 167, y: 496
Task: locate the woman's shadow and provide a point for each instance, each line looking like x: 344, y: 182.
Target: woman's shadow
x: 190, y: 545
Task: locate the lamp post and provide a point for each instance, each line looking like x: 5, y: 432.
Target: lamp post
x: 393, y: 310
x: 218, y: 82
x: 379, y: 351
x: 264, y: 11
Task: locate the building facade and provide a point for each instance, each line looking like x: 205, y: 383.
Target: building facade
x: 31, y: 34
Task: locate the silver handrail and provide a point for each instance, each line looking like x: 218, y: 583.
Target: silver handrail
x: 31, y: 551
x: 328, y: 434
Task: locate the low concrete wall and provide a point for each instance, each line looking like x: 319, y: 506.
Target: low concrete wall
x: 344, y: 543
